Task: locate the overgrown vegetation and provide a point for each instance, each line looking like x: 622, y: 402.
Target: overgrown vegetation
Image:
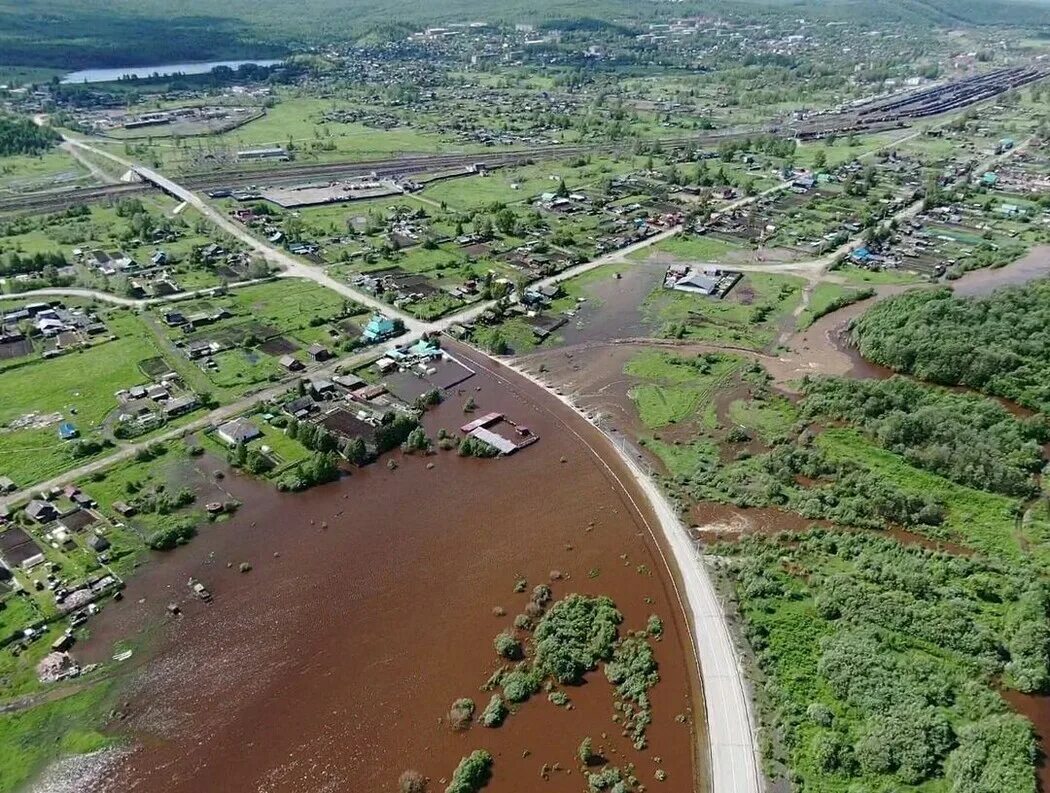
x: 998, y: 345
x: 967, y: 439
x: 881, y: 660
x: 472, y: 773
x: 576, y: 634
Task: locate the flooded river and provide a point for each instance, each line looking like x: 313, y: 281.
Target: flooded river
x: 369, y: 609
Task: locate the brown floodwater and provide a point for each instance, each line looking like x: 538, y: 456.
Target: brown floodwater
x: 613, y: 308
x: 369, y: 609
x: 1035, y: 708
x: 977, y: 283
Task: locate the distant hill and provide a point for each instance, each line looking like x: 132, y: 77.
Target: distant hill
x: 76, y: 33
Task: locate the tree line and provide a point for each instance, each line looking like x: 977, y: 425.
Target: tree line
x: 998, y: 345
x: 21, y: 136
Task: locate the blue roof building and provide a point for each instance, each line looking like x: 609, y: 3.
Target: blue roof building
x: 66, y: 431
x: 860, y: 255
x: 379, y: 328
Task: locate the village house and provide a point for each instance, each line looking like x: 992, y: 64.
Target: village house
x: 379, y: 328
x: 41, y: 511
x: 318, y: 352
x: 290, y: 363
x: 238, y: 431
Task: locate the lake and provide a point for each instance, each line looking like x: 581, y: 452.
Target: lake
x: 109, y: 75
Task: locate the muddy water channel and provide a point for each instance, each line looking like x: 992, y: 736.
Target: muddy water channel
x: 369, y: 609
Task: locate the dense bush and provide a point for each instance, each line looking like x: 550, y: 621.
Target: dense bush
x: 171, y: 536
x: 472, y: 773
x: 633, y: 671
x: 999, y: 344
x: 576, y: 634
x: 472, y: 447
x: 495, y: 712
x: 996, y: 753
x: 839, y: 490
x: 317, y: 469
x: 968, y: 439
x: 393, y: 431
x: 879, y: 660
x: 520, y: 684
x: 508, y: 647
x: 461, y: 713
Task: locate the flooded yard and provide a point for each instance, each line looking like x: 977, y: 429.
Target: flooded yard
x: 369, y: 609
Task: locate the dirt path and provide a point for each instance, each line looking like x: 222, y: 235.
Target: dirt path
x: 107, y: 297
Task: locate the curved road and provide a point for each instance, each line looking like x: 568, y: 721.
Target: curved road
x: 734, y: 761
x: 734, y: 758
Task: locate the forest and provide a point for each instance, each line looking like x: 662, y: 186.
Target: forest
x: 999, y: 345
x: 968, y: 439
x: 65, y: 33
x: 880, y: 660
x: 21, y: 136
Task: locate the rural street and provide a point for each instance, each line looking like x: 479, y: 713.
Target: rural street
x: 128, y: 302
x: 730, y: 721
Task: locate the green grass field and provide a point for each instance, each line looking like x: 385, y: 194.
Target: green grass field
x: 29, y: 739
x: 826, y: 296
x: 748, y: 317
x: 26, y: 173
x: 79, y: 385
x: 677, y: 388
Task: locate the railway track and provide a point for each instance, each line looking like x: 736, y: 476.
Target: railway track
x: 878, y: 116
x: 53, y: 201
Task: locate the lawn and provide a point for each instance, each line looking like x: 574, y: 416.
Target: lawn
x: 861, y: 276
x: 677, y: 388
x: 298, y: 119
x: 170, y: 470
x: 298, y: 310
x: 683, y: 460
x: 770, y: 418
